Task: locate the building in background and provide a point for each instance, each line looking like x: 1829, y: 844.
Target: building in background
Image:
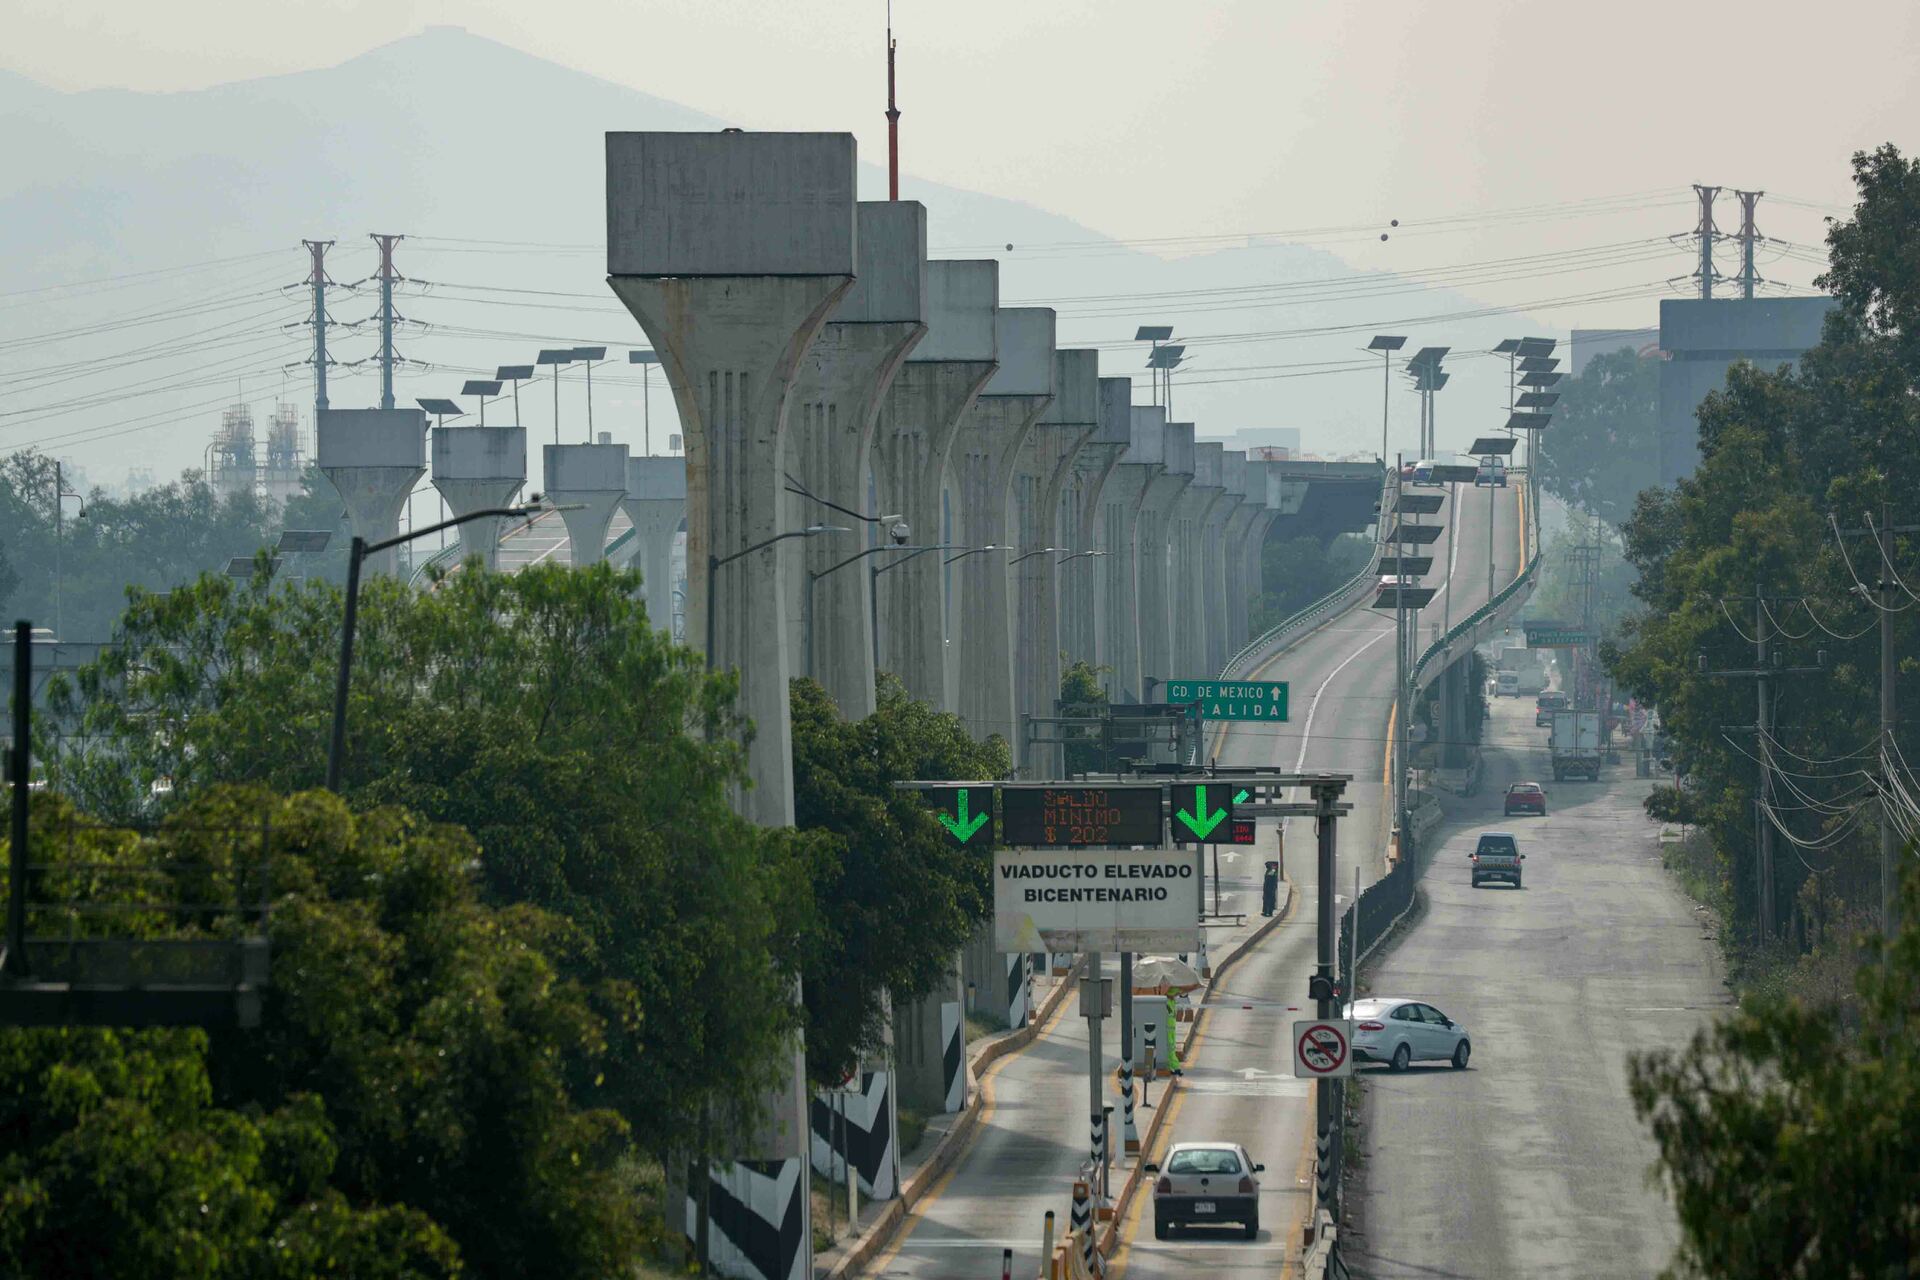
x: 1587, y: 344
x: 1700, y: 339
x: 239, y: 462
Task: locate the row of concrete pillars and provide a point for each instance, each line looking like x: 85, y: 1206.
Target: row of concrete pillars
x: 375, y: 457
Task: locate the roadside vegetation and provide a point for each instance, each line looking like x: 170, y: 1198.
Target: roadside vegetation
x: 530, y: 956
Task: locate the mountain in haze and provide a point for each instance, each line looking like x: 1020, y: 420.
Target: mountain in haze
x: 454, y: 139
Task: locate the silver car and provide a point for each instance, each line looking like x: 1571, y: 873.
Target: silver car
x: 1397, y: 1032
x: 1202, y: 1183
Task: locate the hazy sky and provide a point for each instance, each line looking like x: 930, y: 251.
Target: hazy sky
x: 1148, y: 119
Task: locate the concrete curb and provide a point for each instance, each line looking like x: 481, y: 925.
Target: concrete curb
x: 946, y: 1152
x: 1124, y: 1201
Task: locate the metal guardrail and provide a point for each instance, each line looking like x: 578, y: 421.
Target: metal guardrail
x: 1334, y: 601
x: 450, y: 555
x: 1521, y: 586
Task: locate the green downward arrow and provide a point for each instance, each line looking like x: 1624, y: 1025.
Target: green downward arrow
x: 960, y: 826
x: 1204, y: 825
x: 1240, y: 797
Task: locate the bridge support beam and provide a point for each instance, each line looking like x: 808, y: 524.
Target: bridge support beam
x: 1041, y: 470
x: 837, y: 394
x: 1155, y: 541
x: 1120, y: 506
x: 922, y: 414
x: 981, y: 469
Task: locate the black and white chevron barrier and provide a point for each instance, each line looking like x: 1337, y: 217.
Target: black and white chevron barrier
x: 1130, y: 1134
x: 953, y: 1038
x: 864, y: 1129
x: 757, y: 1220
x: 1019, y: 990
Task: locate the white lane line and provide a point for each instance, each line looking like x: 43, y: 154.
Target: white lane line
x: 1306, y: 730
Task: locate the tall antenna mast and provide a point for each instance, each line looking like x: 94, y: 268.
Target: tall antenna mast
x: 893, y: 118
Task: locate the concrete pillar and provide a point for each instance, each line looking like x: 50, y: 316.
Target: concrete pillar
x: 1265, y: 511
x: 1191, y: 620
x: 1213, y: 569
x: 731, y: 250
x: 374, y: 458
x: 1086, y: 587
x: 1083, y: 616
x: 982, y: 467
x: 475, y: 468
x: 1153, y: 543
x: 592, y: 480
x: 1120, y: 507
x: 930, y: 397
x: 837, y: 394
x: 1238, y: 474
x: 656, y: 503
x: 1041, y: 470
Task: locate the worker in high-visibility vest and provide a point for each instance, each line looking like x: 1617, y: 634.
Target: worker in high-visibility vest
x: 1173, y: 1035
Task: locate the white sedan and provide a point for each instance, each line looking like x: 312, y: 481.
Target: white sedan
x: 1397, y: 1032
x: 1202, y: 1183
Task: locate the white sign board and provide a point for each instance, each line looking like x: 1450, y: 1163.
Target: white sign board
x: 1094, y: 900
x: 1323, y: 1047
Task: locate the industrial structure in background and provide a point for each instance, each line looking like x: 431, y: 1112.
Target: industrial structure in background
x: 240, y: 461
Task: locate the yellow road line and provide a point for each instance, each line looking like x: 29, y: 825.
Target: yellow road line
x: 933, y: 1193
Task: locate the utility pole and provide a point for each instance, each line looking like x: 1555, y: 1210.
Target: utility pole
x: 1766, y: 668
x: 1886, y: 589
x: 1707, y: 234
x: 318, y: 250
x: 1764, y: 843
x: 1888, y: 667
x: 1748, y: 235
x: 387, y: 277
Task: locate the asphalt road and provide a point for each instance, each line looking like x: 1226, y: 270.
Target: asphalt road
x: 1531, y: 1162
x: 1241, y: 1084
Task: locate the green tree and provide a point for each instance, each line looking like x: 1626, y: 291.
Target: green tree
x: 590, y: 757
x: 1789, y: 1132
x: 155, y: 539
x: 416, y: 1048
x: 1787, y: 454
x: 1603, y: 447
x: 118, y: 1163
x: 1295, y: 572
x: 893, y: 899
x: 1082, y: 694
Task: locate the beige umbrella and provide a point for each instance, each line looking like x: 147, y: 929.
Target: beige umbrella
x: 1164, y: 973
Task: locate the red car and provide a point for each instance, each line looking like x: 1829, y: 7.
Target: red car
x: 1526, y: 797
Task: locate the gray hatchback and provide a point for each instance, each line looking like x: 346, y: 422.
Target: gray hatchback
x: 1497, y: 857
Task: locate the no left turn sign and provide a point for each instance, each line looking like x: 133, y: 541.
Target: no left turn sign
x: 1321, y: 1048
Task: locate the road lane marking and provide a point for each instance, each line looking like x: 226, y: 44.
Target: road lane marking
x: 914, y: 1217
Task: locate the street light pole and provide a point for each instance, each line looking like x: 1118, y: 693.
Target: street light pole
x: 358, y: 551
x: 716, y: 563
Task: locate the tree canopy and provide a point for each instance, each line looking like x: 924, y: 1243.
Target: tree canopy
x: 894, y: 900
x: 406, y: 1107
x: 1748, y: 543
x: 590, y: 758
x: 155, y: 539
x: 1789, y: 1132
x: 1603, y: 447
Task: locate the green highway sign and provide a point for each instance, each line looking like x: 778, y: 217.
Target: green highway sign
x: 1232, y: 699
x: 1555, y: 635
x: 965, y: 812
